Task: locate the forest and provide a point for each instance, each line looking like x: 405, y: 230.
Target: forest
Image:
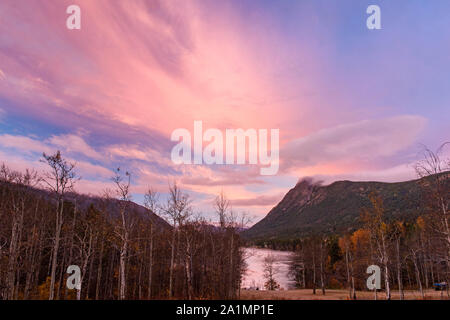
x: 413, y: 254
x: 165, y: 250
x: 124, y: 251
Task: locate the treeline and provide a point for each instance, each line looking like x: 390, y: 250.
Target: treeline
x: 411, y: 254
x: 123, y: 250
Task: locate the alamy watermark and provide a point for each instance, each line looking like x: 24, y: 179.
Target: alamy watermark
x: 374, y: 280
x: 74, y: 280
x: 373, y: 22
x: 73, y: 22
x: 236, y: 146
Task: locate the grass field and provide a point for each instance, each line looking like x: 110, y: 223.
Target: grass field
x: 306, y: 294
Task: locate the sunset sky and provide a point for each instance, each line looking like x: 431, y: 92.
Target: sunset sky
x: 350, y: 103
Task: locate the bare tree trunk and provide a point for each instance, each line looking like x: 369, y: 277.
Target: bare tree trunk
x: 419, y: 282
x: 13, y: 249
x: 385, y: 259
x: 172, y: 262
x: 61, y: 273
x: 304, y: 276
x: 91, y: 274
x: 150, y: 264
x: 387, y: 282
x: 399, y: 271
x: 59, y: 223
x: 122, y: 263
x: 34, y: 237
x: 231, y: 284
x: 188, y: 275
x: 314, y: 271
x: 322, y: 276
x: 72, y: 233
x: 99, y: 272
x: 348, y: 273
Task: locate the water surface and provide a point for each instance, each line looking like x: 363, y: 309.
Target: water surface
x: 254, y: 276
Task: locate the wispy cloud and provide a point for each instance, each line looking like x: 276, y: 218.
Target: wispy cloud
x: 257, y: 201
x: 74, y: 144
x: 367, y: 140
x: 2, y: 114
x: 24, y: 144
x: 110, y: 94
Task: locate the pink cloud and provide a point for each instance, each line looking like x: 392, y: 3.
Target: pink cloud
x: 73, y: 143
x: 24, y: 144
x: 140, y: 69
x: 137, y: 63
x: 353, y: 143
x: 402, y: 172
x: 222, y: 176
x: 257, y: 201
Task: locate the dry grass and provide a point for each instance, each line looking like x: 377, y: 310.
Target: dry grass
x: 306, y: 294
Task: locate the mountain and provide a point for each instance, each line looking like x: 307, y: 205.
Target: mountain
x: 310, y: 208
x: 82, y: 201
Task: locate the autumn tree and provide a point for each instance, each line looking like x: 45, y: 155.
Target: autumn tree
x: 373, y: 218
x: 346, y: 245
x: 435, y: 168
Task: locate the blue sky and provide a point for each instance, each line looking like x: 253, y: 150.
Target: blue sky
x: 350, y: 103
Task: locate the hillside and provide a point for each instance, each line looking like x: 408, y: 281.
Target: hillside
x: 310, y: 208
x: 121, y: 257
x: 84, y: 201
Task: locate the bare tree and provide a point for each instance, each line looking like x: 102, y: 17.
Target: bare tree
x: 221, y: 205
x: 346, y: 244
x: 322, y: 256
x: 151, y: 202
x: 270, y: 270
x: 86, y: 240
x: 436, y: 166
x: 124, y: 196
x: 112, y: 244
x: 398, y: 231
x: 374, y: 220
x: 59, y: 180
x: 177, y: 209
x: 17, y: 210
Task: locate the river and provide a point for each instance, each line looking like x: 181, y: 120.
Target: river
x: 254, y: 276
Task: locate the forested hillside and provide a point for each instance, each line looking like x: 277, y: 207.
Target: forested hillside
x: 310, y: 208
x: 338, y: 231
x: 124, y: 250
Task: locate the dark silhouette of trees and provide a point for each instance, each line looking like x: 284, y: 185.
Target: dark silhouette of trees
x: 124, y: 251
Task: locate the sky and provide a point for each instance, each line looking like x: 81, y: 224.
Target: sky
x: 349, y: 102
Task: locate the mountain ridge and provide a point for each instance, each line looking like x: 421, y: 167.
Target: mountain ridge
x: 311, y: 208
x: 83, y: 201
